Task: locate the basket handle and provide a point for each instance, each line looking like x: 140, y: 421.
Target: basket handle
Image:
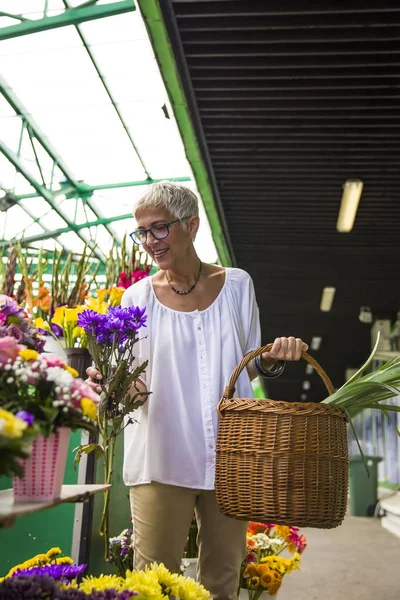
x: 230, y: 388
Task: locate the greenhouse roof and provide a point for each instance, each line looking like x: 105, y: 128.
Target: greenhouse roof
x: 85, y: 124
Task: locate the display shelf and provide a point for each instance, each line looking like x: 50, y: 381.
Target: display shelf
x: 69, y: 493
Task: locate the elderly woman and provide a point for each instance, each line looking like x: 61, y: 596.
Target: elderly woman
x: 202, y: 320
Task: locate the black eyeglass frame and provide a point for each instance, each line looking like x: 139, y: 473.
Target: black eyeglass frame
x: 146, y: 231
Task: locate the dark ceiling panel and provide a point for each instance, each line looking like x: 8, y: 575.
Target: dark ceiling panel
x: 290, y: 99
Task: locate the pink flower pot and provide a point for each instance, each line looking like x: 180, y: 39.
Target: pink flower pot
x: 44, y: 469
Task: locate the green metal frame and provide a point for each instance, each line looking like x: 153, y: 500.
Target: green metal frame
x: 85, y: 188
x: 71, y: 227
x: 43, y: 191
x: 158, y: 34
x: 36, y: 133
x: 71, y: 16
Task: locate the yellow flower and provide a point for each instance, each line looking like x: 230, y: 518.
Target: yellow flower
x: 11, y: 427
x: 78, y: 332
x: 116, y: 294
x: 267, y: 578
x: 103, y: 582
x: 71, y: 316
x: 64, y: 560
x: 189, y: 589
x: 89, y: 408
x: 28, y: 354
x: 73, y: 372
x: 58, y: 317
x: 53, y: 552
x: 253, y: 582
x: 42, y: 324
x: 96, y: 304
x: 282, y: 530
x: 167, y: 579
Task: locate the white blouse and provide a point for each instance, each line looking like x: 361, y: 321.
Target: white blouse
x: 191, y: 358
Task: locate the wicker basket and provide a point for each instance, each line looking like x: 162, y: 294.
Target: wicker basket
x: 281, y: 462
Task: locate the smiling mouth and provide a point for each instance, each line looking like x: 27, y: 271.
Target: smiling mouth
x: 159, y: 253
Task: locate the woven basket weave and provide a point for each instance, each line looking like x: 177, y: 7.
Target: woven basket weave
x: 281, y: 462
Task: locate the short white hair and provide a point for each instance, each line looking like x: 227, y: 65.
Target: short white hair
x: 177, y: 199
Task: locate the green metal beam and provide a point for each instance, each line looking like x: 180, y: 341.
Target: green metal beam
x: 156, y: 27
x: 44, y: 192
x: 71, y: 16
x: 72, y: 227
x: 85, y: 188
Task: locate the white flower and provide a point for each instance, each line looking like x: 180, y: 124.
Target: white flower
x: 61, y: 377
x: 10, y: 380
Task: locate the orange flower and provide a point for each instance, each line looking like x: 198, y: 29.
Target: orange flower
x: 257, y: 527
x: 43, y: 299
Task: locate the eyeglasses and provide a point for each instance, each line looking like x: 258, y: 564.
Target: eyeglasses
x: 159, y: 232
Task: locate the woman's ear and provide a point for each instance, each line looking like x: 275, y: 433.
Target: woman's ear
x: 193, y: 226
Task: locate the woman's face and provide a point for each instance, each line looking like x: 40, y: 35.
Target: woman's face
x: 173, y: 248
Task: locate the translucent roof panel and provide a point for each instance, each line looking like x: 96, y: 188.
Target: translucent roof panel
x: 96, y: 102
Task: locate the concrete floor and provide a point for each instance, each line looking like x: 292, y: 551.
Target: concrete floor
x: 357, y: 561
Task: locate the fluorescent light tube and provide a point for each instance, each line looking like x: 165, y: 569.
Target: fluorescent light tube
x: 316, y: 342
x: 352, y: 190
x: 327, y: 297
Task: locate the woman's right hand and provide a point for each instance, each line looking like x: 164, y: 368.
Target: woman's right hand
x: 94, y: 379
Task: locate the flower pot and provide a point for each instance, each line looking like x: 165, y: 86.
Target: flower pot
x: 79, y: 359
x: 191, y: 568
x: 44, y: 469
x: 53, y: 346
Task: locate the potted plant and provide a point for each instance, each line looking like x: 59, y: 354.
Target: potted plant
x: 52, y: 397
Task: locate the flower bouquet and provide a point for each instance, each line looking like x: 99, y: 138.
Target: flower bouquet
x: 121, y: 551
x: 49, y: 396
x: 111, y: 340
x: 264, y: 567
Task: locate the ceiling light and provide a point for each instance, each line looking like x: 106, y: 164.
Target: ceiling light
x: 303, y: 397
x: 306, y: 385
x: 316, y: 342
x: 309, y: 370
x: 327, y: 297
x: 348, y: 208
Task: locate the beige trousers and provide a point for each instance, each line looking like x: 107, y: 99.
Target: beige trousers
x: 161, y: 518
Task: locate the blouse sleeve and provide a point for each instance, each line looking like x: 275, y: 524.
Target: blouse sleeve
x: 250, y: 315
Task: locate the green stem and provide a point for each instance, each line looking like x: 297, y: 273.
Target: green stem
x: 109, y: 450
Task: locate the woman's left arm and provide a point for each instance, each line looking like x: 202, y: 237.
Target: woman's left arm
x: 283, y: 349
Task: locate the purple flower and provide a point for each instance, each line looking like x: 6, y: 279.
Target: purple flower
x: 9, y: 307
x: 15, y: 332
x: 38, y: 587
x: 55, y: 571
x: 90, y: 320
x: 56, y: 329
x: 26, y: 416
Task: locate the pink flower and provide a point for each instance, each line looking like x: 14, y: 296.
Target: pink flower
x: 251, y: 557
x: 53, y: 360
x: 84, y: 390
x: 9, y: 349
